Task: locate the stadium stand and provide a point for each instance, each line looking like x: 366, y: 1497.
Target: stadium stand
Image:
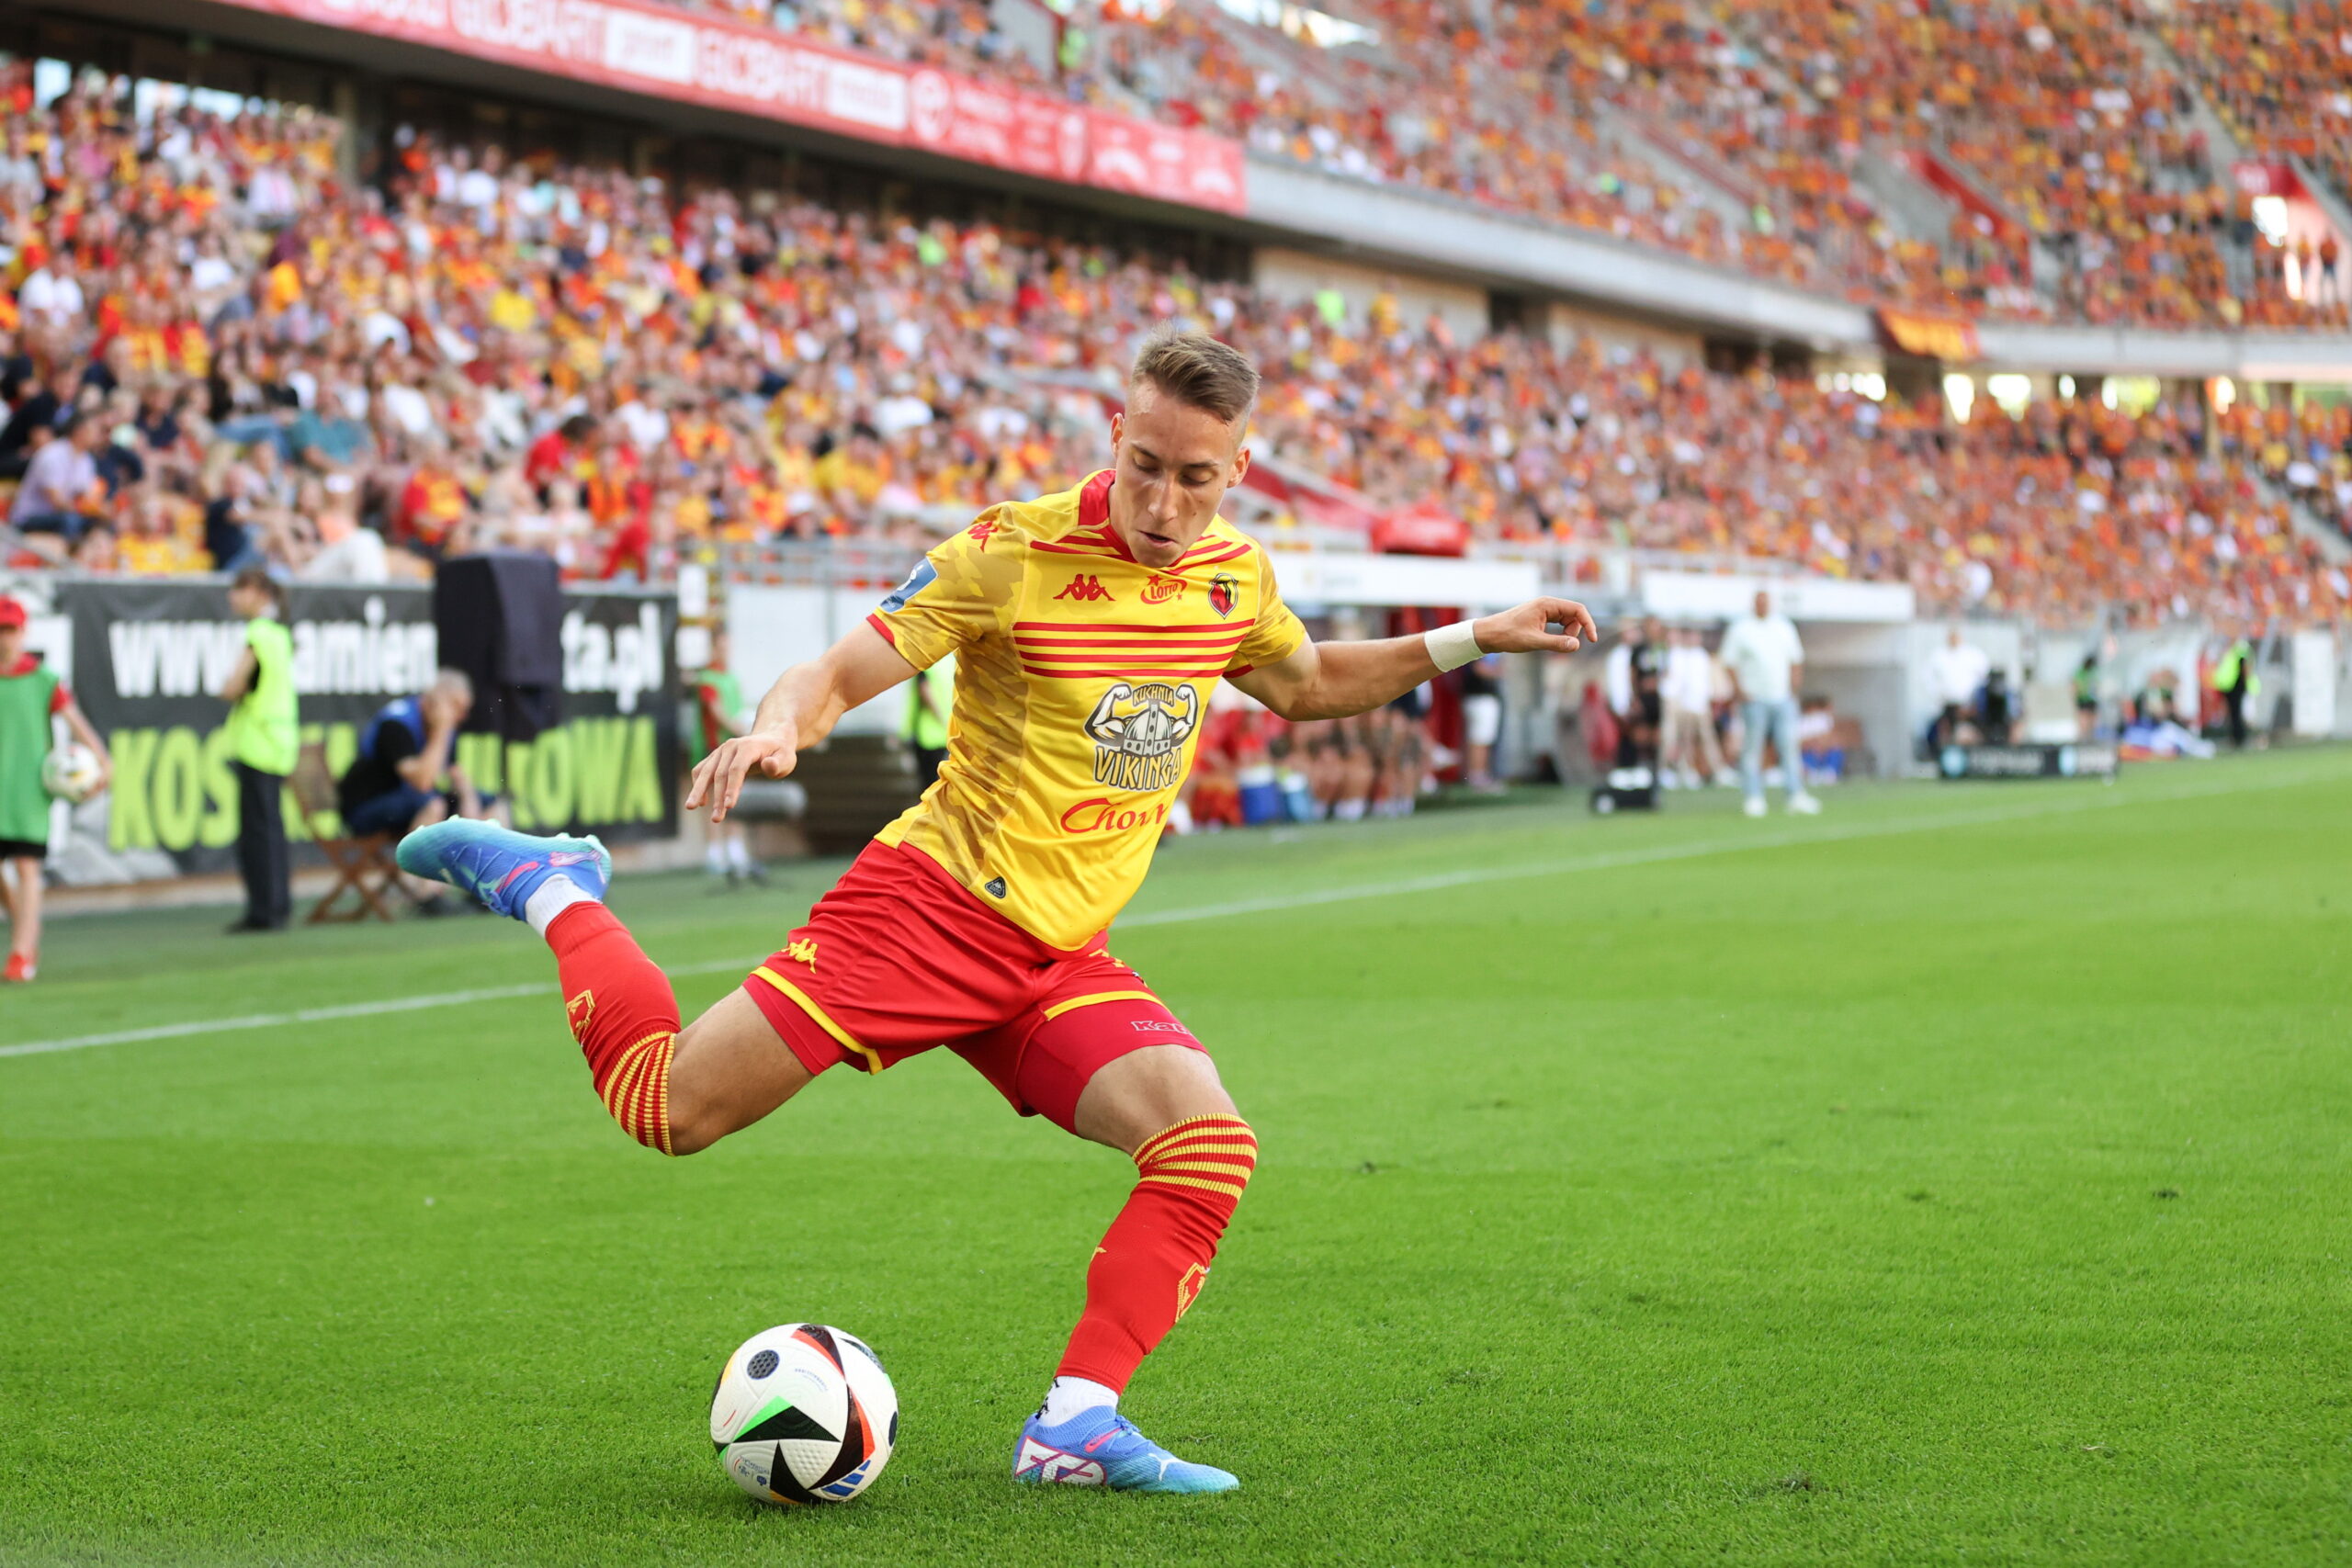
x: 1742, y: 137
x: 350, y: 382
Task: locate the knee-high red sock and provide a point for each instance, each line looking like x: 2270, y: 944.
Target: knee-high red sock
x: 624, y: 1015
x: 1157, y: 1253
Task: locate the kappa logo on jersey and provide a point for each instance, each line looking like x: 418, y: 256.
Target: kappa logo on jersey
x: 1161, y: 590
x: 579, y: 1009
x: 922, y: 577
x: 1053, y: 1465
x: 1140, y: 733
x: 1085, y: 588
x: 1225, y: 592
x: 803, y: 951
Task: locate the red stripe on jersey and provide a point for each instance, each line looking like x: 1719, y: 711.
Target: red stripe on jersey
x: 1124, y: 657
x: 879, y: 624
x: 1203, y: 673
x: 1192, y: 558
x: 1019, y: 626
x: 1139, y: 640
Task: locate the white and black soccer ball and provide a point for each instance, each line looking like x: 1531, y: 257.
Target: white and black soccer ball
x: 804, y: 1413
x: 70, y: 772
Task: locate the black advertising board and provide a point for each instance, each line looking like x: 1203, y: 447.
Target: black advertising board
x: 2066, y: 760
x: 148, y: 655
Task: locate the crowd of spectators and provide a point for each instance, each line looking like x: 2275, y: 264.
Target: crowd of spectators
x: 1738, y: 140
x: 216, y: 354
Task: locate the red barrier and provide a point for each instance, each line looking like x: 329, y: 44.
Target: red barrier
x: 730, y: 64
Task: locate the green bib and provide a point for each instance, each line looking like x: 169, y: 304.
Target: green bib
x: 24, y: 745
x: 263, y: 731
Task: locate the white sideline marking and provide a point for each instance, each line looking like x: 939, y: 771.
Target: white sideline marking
x: 1437, y: 882
x: 321, y: 1015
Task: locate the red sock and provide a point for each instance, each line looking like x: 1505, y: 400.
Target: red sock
x: 1156, y: 1255
x: 624, y: 1016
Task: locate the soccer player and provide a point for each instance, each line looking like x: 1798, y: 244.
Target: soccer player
x: 1090, y: 628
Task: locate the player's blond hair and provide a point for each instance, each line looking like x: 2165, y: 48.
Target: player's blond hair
x: 1199, y: 372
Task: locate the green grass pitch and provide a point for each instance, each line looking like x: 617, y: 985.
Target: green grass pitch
x: 1959, y: 1176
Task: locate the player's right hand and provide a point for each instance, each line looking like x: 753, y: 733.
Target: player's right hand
x: 718, y: 778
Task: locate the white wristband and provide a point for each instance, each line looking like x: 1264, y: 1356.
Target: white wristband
x: 1453, y: 647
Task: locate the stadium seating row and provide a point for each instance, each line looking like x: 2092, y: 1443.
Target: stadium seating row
x: 347, y: 383
x: 2096, y: 196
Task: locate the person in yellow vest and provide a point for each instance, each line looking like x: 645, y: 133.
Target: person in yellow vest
x: 2234, y: 678
x: 264, y: 737
x: 928, y: 697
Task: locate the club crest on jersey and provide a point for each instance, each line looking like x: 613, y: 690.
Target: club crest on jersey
x: 1139, y: 732
x: 1086, y: 588
x: 1225, y: 592
x: 1161, y: 590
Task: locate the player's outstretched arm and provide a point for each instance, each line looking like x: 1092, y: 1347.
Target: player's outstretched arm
x: 799, y: 710
x: 1333, y: 680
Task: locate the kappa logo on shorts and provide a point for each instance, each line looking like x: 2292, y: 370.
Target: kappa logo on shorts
x: 803, y: 951
x: 579, y: 1009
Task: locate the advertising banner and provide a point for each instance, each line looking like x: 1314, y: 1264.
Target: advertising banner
x: 730, y: 64
x: 147, y: 656
x: 2074, y: 760
x: 1952, y: 339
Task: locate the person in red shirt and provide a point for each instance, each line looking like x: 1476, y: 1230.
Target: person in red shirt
x: 561, y: 454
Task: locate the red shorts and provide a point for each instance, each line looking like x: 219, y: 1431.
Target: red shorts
x: 899, y: 958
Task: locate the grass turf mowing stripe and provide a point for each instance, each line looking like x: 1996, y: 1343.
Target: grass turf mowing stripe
x: 1438, y: 882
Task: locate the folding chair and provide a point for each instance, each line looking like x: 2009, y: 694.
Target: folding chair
x: 363, y: 867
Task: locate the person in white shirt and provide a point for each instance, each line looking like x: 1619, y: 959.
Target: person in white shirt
x: 51, y: 296
x: 1958, y: 669
x: 1766, y: 661
x: 1688, y: 690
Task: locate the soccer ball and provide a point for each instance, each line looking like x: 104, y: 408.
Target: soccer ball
x: 804, y: 1413
x: 70, y: 773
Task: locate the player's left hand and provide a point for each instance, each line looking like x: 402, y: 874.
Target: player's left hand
x: 1526, y: 628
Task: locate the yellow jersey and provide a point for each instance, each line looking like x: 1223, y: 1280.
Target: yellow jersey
x: 1082, y: 682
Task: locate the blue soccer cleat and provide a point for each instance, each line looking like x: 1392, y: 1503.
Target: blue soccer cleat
x: 1101, y: 1448
x: 499, y: 866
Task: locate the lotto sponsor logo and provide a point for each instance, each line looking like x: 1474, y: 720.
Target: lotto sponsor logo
x: 1101, y: 814
x: 1161, y: 590
x: 1087, y: 589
